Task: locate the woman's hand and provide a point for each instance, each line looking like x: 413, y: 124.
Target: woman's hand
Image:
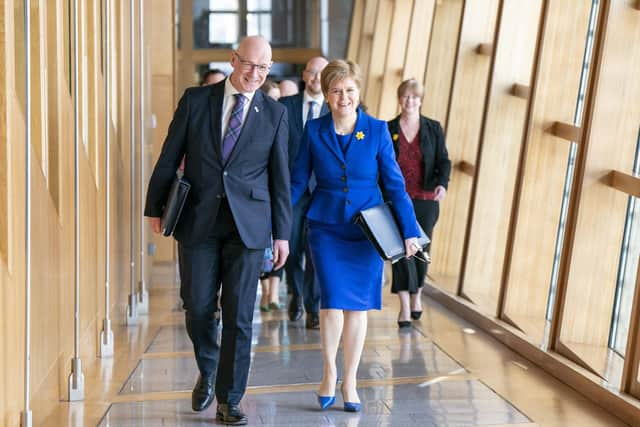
x: 440, y: 192
x: 411, y: 246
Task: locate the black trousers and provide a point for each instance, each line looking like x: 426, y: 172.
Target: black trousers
x: 408, y: 274
x: 222, y: 260
x: 301, y: 276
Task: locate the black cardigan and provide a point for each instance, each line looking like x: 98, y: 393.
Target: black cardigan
x: 437, y: 166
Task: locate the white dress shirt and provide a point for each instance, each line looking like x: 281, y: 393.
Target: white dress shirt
x: 229, y: 101
x: 305, y: 106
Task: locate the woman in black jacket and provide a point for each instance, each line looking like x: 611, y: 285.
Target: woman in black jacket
x: 422, y: 155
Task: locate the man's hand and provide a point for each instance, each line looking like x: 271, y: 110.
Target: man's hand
x: 155, y: 224
x: 280, y: 253
x: 440, y: 192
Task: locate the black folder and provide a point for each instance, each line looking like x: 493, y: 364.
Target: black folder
x: 381, y: 228
x: 175, y: 202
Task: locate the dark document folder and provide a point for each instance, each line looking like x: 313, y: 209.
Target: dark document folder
x: 379, y: 225
x: 175, y: 203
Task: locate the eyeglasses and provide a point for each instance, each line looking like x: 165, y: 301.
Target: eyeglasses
x: 410, y: 96
x: 249, y: 66
x: 313, y: 72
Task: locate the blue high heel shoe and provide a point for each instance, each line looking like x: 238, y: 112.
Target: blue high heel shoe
x: 326, y: 401
x: 351, y: 406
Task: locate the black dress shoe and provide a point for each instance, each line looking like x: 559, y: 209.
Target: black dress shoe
x: 231, y: 415
x: 404, y: 324
x: 313, y: 321
x: 202, y: 394
x: 295, y: 310
x: 415, y: 315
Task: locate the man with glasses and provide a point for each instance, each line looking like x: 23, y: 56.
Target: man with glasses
x: 301, y: 281
x: 234, y: 140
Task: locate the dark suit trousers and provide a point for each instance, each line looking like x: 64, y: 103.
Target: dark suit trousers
x: 301, y: 279
x: 221, y: 260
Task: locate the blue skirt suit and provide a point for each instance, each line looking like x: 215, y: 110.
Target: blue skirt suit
x: 348, y: 170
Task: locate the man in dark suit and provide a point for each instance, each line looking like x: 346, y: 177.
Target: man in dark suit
x: 301, y: 281
x: 234, y: 140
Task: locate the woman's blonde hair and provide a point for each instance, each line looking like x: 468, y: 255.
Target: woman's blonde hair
x: 339, y: 69
x: 411, y: 85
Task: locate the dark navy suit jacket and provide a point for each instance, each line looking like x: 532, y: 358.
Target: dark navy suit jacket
x: 293, y: 104
x: 255, y: 178
x: 348, y: 182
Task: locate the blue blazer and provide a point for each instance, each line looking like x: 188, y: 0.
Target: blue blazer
x: 293, y: 104
x: 348, y: 182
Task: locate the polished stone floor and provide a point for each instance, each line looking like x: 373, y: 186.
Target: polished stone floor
x: 441, y: 372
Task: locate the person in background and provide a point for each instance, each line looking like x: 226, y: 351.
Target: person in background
x: 234, y: 140
x: 421, y: 152
x: 301, y: 108
x: 271, y: 89
x: 212, y: 76
x: 348, y: 151
x: 288, y: 88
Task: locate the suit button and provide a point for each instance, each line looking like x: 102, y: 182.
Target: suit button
x: 348, y: 201
x: 345, y: 189
x: 343, y: 166
x: 344, y: 178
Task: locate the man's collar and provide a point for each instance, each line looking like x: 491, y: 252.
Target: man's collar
x: 306, y: 98
x: 230, y: 90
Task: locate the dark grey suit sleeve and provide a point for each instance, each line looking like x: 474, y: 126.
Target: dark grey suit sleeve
x: 172, y: 152
x: 279, y: 181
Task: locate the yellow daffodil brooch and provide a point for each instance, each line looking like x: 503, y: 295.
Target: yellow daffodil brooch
x: 395, y: 136
x: 359, y: 135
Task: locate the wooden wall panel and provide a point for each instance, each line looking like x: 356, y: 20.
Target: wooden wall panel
x: 366, y: 41
x: 544, y: 165
x: 3, y: 136
x: 499, y: 151
x: 417, y: 49
x: 355, y: 31
x: 439, y: 70
x: 462, y: 133
x: 376, y: 69
x: 595, y: 232
x: 396, y: 51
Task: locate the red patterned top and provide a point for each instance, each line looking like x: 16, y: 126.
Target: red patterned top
x: 411, y: 164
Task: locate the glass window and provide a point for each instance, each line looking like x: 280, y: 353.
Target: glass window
x: 258, y: 5
x: 223, y: 28
x: 218, y: 5
x: 259, y: 23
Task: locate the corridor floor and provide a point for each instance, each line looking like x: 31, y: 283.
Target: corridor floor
x: 440, y: 372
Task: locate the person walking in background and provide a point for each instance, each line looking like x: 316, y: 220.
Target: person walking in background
x: 301, y: 280
x: 422, y: 155
x: 234, y: 140
x: 271, y: 89
x: 212, y: 76
x: 348, y: 151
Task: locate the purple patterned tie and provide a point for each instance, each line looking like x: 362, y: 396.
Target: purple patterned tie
x: 234, y: 127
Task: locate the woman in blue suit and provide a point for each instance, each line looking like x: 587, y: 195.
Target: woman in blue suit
x: 348, y: 151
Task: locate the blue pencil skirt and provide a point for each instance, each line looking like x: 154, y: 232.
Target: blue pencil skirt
x: 348, y: 268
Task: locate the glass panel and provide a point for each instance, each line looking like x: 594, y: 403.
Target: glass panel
x: 258, y: 5
x: 259, y: 23
x: 223, y: 28
x: 629, y: 257
x: 222, y: 5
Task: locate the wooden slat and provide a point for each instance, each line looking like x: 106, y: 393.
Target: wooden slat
x: 467, y: 101
x: 442, y: 56
x: 379, y: 45
x: 417, y: 49
x: 366, y: 40
x: 356, y: 30
x: 624, y: 182
x: 544, y: 166
x: 566, y: 131
x: 631, y: 370
x: 520, y: 91
x: 387, y: 106
x: 498, y: 154
x: 484, y: 49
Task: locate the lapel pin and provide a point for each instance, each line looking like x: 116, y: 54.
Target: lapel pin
x: 256, y: 108
x: 360, y: 135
